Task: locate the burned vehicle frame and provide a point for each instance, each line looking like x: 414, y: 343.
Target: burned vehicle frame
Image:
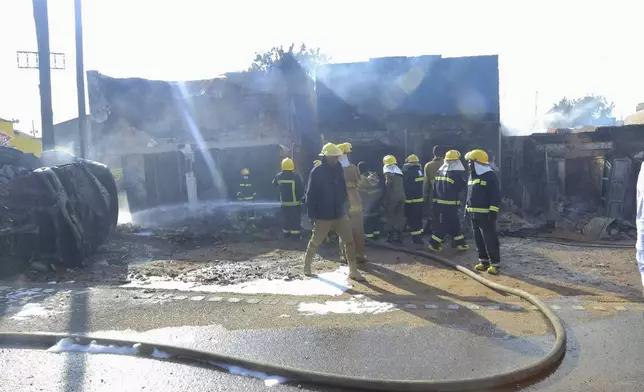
x: 56, y: 210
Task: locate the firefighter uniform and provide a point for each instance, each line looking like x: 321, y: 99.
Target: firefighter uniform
x: 394, y: 198
x: 413, y: 184
x: 449, y: 183
x: 291, y: 193
x: 246, y: 192
x: 482, y: 206
x: 371, y: 195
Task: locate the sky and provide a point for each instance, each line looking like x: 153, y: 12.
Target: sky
x: 547, y: 49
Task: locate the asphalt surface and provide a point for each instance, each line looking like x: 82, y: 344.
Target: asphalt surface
x: 408, y: 343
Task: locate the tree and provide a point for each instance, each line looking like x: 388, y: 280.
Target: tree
x: 308, y: 58
x: 579, y: 112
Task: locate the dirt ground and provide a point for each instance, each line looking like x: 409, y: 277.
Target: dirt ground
x: 545, y: 269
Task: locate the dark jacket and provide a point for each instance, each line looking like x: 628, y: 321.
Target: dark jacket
x: 483, y: 194
x: 326, y: 193
x: 245, y: 190
x: 448, y: 185
x: 413, y: 182
x: 291, y: 188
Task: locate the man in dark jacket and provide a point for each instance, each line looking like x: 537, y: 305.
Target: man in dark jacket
x: 413, y: 182
x: 393, y: 198
x: 482, y: 206
x: 327, y: 203
x: 245, y: 192
x: 291, y: 194
x: 449, y: 183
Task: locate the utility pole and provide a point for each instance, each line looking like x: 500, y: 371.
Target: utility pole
x: 80, y: 79
x: 44, y: 63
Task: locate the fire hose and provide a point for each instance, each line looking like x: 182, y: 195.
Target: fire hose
x: 192, y: 356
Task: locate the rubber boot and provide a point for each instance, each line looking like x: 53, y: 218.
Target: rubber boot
x: 493, y: 269
x: 483, y: 265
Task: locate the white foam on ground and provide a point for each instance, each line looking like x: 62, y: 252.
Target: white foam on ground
x: 352, y: 306
x: 329, y: 283
x: 69, y: 345
x: 269, y: 380
x: 156, y: 353
x: 29, y: 311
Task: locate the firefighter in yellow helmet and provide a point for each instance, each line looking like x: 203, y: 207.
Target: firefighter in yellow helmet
x: 327, y: 204
x: 482, y: 207
x: 431, y: 168
x: 413, y: 182
x: 291, y: 195
x: 393, y: 198
x: 371, y: 196
x: 246, y: 193
x: 354, y: 182
x: 449, y: 184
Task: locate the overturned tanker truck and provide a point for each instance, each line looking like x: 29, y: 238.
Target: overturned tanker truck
x: 56, y: 210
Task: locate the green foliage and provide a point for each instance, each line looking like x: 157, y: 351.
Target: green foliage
x: 578, y: 112
x: 309, y: 58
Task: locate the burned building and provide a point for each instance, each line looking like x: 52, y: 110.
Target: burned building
x: 405, y: 105
x: 592, y: 171
x: 244, y: 119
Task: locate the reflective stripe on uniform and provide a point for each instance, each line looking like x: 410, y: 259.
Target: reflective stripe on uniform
x: 417, y: 232
x: 436, y: 239
x: 459, y: 237
x: 284, y: 231
x: 419, y: 179
x: 292, y: 182
x: 246, y: 198
x: 477, y: 181
x: 448, y: 202
x: 479, y: 210
x: 409, y: 201
x: 377, y: 232
x: 442, y: 178
x: 291, y: 203
x: 370, y: 235
x: 245, y: 184
x: 494, y: 208
x: 295, y: 232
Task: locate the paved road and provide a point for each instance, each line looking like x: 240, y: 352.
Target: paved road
x: 434, y: 338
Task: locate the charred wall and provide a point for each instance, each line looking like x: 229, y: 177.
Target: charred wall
x: 405, y: 105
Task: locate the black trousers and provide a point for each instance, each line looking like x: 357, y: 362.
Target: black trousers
x: 447, y: 223
x: 414, y: 215
x: 292, y: 219
x: 487, y: 241
x: 372, y: 225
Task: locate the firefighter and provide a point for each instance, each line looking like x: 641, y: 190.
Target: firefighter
x: 413, y: 181
x: 327, y: 202
x: 431, y: 168
x: 393, y: 199
x: 449, y: 183
x: 353, y: 181
x: 482, y: 207
x: 371, y: 195
x: 291, y: 194
x: 246, y: 193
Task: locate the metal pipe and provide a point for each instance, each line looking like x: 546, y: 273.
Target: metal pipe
x: 44, y: 71
x: 80, y: 79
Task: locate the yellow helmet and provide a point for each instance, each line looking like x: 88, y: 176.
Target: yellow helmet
x: 479, y: 156
x: 287, y: 164
x: 413, y: 158
x: 452, y: 155
x: 317, y: 163
x: 330, y: 150
x: 345, y: 147
x: 245, y: 172
x: 389, y: 160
